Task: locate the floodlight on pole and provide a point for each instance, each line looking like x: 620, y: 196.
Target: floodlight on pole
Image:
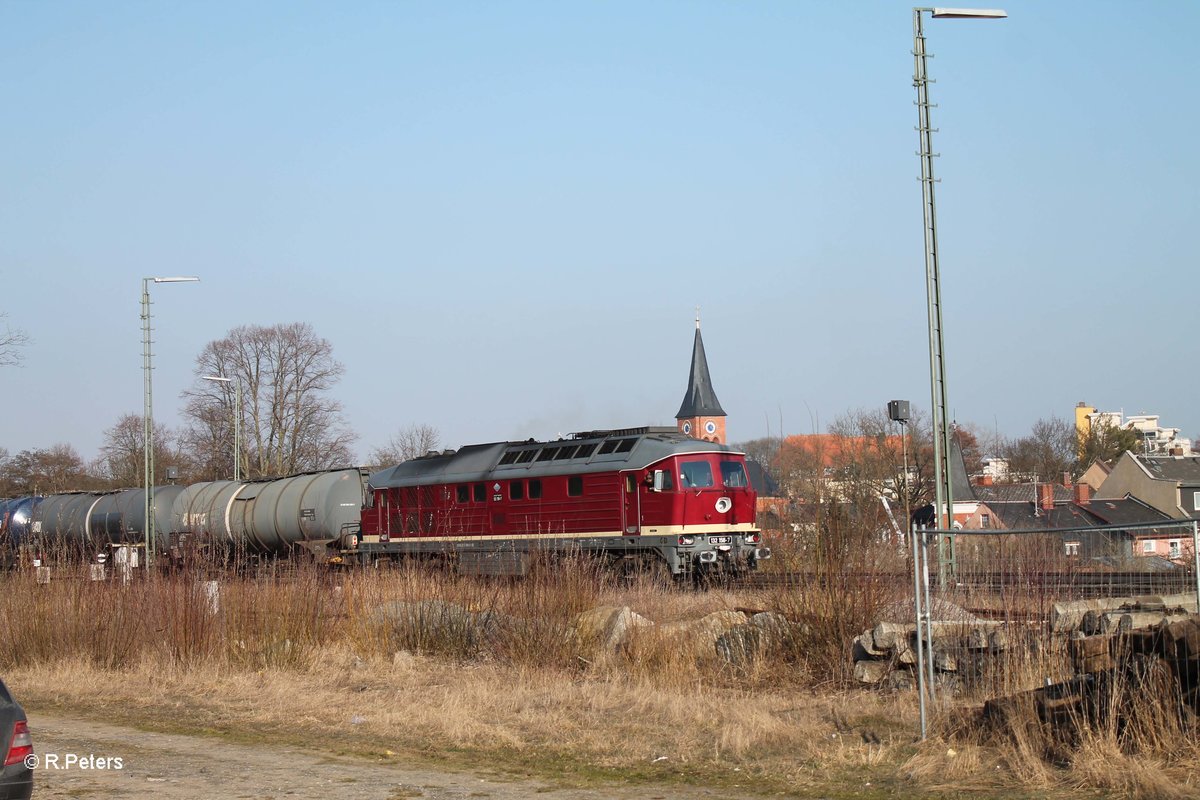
x: 237, y: 422
x: 148, y: 415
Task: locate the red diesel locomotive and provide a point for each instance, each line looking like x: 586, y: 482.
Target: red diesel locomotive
x: 649, y: 497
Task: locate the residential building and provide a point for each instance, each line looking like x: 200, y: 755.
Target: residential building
x: 1095, y: 475
x: 1170, y: 484
x: 1155, y: 438
x: 1092, y: 525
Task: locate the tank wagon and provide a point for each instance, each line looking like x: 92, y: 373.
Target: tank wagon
x: 648, y: 496
x: 267, y: 516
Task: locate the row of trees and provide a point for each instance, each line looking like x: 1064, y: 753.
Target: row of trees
x: 864, y: 455
x: 283, y: 376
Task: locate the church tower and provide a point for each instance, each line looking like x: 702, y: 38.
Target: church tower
x: 701, y: 416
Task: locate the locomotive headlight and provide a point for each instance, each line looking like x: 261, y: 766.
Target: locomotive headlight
x: 753, y: 538
x: 685, y: 541
x: 723, y: 505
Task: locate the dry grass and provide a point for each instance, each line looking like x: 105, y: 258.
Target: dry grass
x: 291, y: 653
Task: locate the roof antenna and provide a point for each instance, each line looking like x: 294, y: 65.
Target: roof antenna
x: 697, y: 317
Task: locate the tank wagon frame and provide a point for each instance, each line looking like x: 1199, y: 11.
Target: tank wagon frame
x: 649, y: 497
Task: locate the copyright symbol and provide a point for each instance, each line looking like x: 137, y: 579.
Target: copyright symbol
x: 31, y: 761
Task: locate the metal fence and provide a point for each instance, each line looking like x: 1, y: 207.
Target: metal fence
x: 994, y: 609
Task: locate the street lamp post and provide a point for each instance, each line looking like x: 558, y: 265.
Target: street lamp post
x: 237, y: 422
x: 943, y: 494
x: 148, y: 416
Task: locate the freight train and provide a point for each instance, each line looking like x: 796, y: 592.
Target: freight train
x: 647, y: 497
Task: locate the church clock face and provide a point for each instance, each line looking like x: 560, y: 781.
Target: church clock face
x: 687, y: 427
x: 710, y: 427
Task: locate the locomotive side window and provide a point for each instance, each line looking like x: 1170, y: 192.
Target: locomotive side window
x: 575, y: 486
x: 586, y: 450
x: 525, y: 456
x: 608, y: 447
x: 535, y: 489
x: 695, y: 475
x: 480, y: 493
x: 510, y: 457
x: 565, y: 453
x: 733, y: 475
x: 463, y: 493
x: 547, y: 454
x: 516, y: 490
x: 625, y: 445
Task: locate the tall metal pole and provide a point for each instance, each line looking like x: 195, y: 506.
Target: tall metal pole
x: 148, y: 415
x: 237, y: 430
x: 147, y: 428
x: 933, y: 283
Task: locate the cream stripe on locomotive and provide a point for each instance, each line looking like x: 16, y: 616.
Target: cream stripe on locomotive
x: 662, y: 530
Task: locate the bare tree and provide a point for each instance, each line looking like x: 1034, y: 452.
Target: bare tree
x: 45, y: 471
x: 406, y: 444
x: 122, y: 454
x: 1046, y: 453
x: 12, y: 340
x: 289, y: 422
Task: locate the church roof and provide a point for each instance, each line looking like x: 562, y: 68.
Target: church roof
x: 700, y: 400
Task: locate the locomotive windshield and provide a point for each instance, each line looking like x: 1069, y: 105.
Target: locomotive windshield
x: 733, y: 475
x: 695, y: 474
x: 699, y: 474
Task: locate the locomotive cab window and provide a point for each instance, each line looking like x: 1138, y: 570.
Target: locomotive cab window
x: 733, y: 475
x: 480, y: 493
x: 695, y: 475
x: 535, y: 489
x: 516, y: 490
x: 575, y: 486
x: 463, y: 493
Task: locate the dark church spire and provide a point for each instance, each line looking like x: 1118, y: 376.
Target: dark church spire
x: 700, y: 400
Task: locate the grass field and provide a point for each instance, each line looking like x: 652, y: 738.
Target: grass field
x: 303, y: 656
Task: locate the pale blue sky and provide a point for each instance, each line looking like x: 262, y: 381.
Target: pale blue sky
x: 502, y: 214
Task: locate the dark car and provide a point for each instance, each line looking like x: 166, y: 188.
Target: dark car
x: 16, y: 779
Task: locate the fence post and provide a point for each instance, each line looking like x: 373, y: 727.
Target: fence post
x: 928, y: 611
x: 916, y: 558
x: 1196, y: 559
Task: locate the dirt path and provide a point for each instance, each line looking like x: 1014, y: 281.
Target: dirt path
x: 178, y: 767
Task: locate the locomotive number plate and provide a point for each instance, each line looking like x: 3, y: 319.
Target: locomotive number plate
x: 720, y: 540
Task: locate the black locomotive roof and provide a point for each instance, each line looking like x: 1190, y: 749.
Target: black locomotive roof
x: 593, y: 451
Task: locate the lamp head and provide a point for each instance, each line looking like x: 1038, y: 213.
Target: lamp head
x: 969, y: 13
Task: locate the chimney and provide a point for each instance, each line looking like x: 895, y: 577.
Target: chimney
x: 986, y: 480
x: 1083, y: 494
x: 1067, y: 479
x: 1046, y: 496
